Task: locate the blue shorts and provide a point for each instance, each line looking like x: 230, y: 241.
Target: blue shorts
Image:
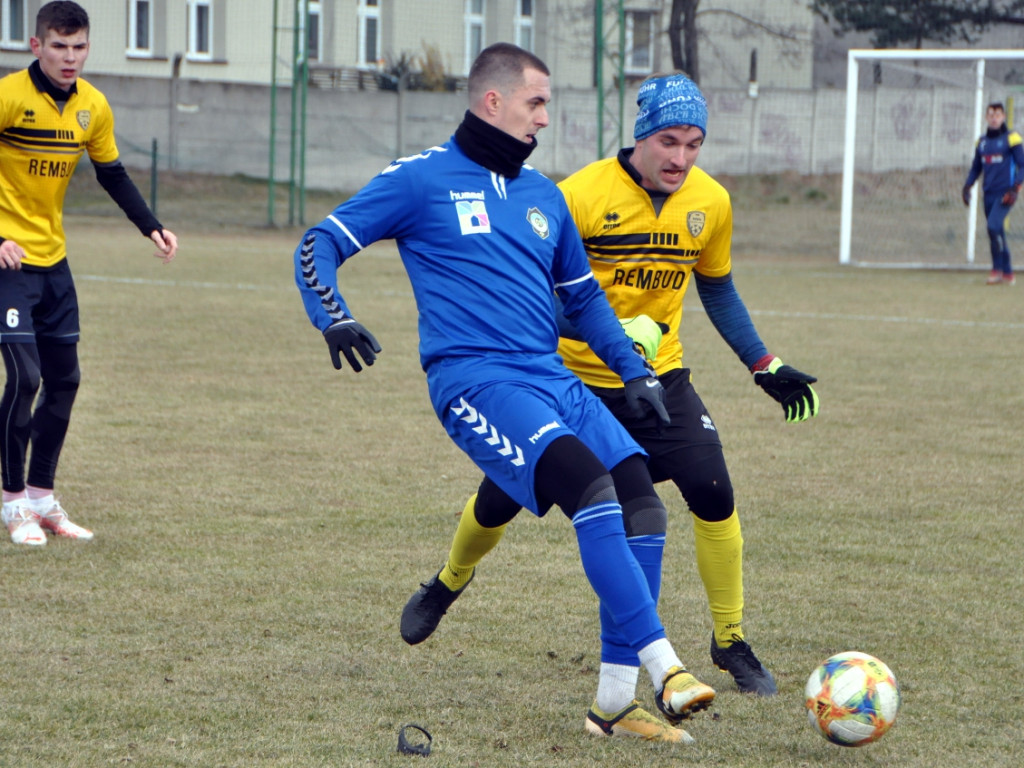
x: 504, y: 425
x: 38, y: 304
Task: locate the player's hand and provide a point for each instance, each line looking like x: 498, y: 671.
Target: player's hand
x: 645, y: 333
x: 1010, y: 196
x: 790, y: 387
x: 166, y: 243
x: 11, y: 255
x: 646, y: 392
x: 348, y: 337
x: 966, y: 195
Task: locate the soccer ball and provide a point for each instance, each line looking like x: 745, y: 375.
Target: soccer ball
x: 852, y: 699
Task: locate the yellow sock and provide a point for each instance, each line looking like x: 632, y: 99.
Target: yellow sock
x: 472, y: 541
x: 719, y: 548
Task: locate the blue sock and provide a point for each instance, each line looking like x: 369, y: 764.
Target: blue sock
x: 648, y: 553
x: 616, y: 576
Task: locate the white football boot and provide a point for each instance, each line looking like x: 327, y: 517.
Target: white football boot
x: 53, y: 518
x: 22, y: 523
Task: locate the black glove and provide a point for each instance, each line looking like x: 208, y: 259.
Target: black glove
x: 349, y: 337
x: 966, y: 195
x: 789, y: 387
x: 646, y: 392
x: 1010, y: 196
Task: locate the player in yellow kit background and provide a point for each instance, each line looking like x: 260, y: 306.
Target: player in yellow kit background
x: 651, y: 220
x: 49, y: 118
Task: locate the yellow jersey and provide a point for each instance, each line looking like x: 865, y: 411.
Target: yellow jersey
x: 40, y: 146
x: 643, y: 258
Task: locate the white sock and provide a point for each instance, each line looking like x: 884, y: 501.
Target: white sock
x: 616, y: 687
x: 42, y: 504
x: 657, y: 658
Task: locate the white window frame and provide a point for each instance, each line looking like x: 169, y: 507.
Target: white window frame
x: 315, y: 10
x: 134, y: 49
x: 629, y: 65
x: 473, y: 20
x: 194, y: 53
x: 7, y: 39
x: 524, y: 24
x: 369, y: 12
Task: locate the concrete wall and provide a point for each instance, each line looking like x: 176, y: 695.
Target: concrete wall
x: 350, y: 136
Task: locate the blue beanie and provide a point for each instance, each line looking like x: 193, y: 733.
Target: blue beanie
x: 669, y: 101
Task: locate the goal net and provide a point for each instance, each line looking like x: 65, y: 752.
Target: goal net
x: 912, y: 120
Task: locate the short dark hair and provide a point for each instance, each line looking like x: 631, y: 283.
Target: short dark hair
x: 62, y: 16
x: 501, y: 65
x: 996, y: 105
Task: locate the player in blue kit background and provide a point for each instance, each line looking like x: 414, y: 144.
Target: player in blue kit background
x: 487, y: 242
x: 999, y: 161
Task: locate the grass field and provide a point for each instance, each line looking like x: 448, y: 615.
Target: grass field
x: 261, y: 520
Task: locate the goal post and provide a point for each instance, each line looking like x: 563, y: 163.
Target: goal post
x: 910, y: 133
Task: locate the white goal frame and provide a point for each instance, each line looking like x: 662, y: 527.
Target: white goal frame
x: 854, y: 56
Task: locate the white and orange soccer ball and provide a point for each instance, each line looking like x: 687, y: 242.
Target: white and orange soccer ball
x: 852, y: 699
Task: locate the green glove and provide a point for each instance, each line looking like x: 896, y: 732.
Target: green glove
x: 788, y: 386
x: 645, y: 333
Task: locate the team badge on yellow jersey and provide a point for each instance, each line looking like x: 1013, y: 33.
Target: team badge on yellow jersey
x: 695, y: 222
x: 83, y: 116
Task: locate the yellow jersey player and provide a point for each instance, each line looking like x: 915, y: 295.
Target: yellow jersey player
x: 651, y: 220
x: 48, y: 119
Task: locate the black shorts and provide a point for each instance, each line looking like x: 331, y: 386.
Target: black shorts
x: 38, y: 305
x: 667, y: 446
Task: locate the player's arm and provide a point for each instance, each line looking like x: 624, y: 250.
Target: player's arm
x: 728, y: 314
x: 644, y: 331
x: 972, y: 174
x: 114, y: 178
x: 371, y: 214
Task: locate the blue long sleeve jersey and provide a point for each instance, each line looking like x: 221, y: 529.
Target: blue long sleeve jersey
x: 484, y: 254
x: 998, y: 159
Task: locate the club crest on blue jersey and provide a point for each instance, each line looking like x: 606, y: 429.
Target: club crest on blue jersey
x: 695, y: 222
x: 539, y: 222
x: 473, y: 218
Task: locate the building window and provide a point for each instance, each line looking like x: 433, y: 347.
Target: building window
x: 140, y: 27
x: 524, y: 25
x: 639, y: 42
x: 200, y: 32
x: 369, y: 32
x: 474, y: 21
x: 313, y: 31
x: 15, y: 24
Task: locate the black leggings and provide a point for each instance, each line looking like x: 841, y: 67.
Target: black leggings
x: 51, y: 371
x: 567, y: 475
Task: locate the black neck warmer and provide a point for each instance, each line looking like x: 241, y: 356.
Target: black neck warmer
x: 994, y: 133
x: 491, y: 147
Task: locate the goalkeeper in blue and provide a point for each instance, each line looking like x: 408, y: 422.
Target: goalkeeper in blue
x: 487, y: 243
x: 651, y: 220
x: 999, y: 161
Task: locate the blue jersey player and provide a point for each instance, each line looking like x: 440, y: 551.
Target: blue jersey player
x: 999, y: 161
x: 487, y: 242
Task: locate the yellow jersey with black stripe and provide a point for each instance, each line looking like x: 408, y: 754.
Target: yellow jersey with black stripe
x: 40, y: 146
x: 642, y: 257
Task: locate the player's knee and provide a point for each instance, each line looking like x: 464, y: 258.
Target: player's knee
x: 712, y: 502
x: 645, y: 516
x: 23, y: 374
